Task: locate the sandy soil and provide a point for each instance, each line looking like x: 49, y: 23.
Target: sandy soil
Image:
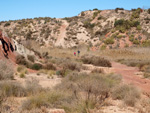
x: 43, y: 80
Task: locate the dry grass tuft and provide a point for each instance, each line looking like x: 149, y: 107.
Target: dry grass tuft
x: 95, y: 60
x: 129, y: 94
x: 6, y: 70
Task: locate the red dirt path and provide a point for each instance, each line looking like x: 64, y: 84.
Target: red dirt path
x: 129, y: 77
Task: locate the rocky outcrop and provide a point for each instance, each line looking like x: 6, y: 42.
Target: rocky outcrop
x: 9, y: 48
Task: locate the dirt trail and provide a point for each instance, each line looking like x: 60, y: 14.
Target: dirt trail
x: 62, y: 35
x: 130, y: 77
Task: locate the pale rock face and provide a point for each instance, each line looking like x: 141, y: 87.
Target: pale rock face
x: 22, y: 50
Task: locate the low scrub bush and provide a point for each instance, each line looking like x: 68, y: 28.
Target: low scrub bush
x: 31, y: 58
x: 53, y: 99
x: 129, y: 94
x: 22, y: 75
x: 21, y: 60
x: 103, y: 47
x: 136, y: 42
x: 7, y: 24
x: 49, y: 66
x: 109, y: 41
x: 77, y: 93
x: 95, y: 60
x: 22, y: 69
x: 146, y: 43
x: 9, y: 88
x: 37, y: 66
x: 6, y: 70
x: 72, y: 66
x: 32, y: 86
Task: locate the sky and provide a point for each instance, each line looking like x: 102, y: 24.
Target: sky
x: 22, y: 9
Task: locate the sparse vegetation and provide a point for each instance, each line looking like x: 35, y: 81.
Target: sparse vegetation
x: 6, y: 70
x: 103, y: 47
x: 31, y: 58
x: 109, y: 41
x: 95, y: 60
x: 53, y: 78
x: 95, y: 87
x: 128, y: 94
x: 36, y: 66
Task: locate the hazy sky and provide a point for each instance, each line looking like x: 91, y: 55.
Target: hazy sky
x: 19, y: 9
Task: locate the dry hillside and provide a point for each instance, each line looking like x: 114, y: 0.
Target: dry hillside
x: 117, y: 28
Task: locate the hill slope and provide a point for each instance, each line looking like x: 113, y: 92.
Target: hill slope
x: 101, y: 28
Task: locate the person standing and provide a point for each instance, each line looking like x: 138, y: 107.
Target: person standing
x: 74, y: 53
x: 78, y: 52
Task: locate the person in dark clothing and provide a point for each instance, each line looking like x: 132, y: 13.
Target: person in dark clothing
x: 78, y: 52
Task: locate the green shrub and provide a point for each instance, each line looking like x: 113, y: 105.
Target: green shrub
x: 22, y: 75
x: 136, y: 42
x: 116, y: 10
x: 58, y: 72
x: 37, y: 66
x: 119, y: 36
x: 131, y: 38
x: 139, y: 27
x: 95, y: 9
x: 103, y: 47
x: 7, y: 24
x: 122, y: 29
x: 20, y: 68
x: 99, y: 18
x: 113, y: 30
x: 95, y: 14
x: 109, y: 41
x: 123, y: 25
x: 135, y: 23
x: 87, y: 24
x: 82, y: 13
x: 119, y: 22
x: 146, y: 43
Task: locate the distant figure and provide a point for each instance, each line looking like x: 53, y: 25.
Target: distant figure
x: 78, y: 52
x: 74, y: 53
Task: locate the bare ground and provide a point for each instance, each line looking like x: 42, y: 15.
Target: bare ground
x: 130, y: 76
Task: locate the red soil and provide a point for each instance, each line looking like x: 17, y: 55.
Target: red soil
x: 129, y: 77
